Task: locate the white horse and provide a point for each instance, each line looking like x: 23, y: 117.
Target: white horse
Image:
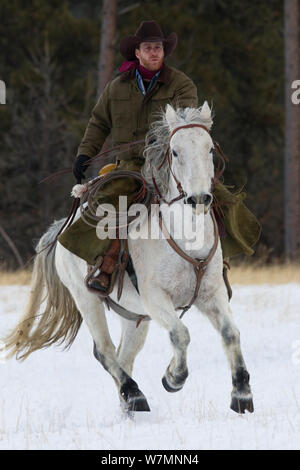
x: 166, y: 281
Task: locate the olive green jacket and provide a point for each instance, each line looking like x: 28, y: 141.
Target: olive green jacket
x: 126, y: 114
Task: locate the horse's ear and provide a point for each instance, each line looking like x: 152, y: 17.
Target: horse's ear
x: 205, y: 111
x: 205, y: 114
x: 171, y: 116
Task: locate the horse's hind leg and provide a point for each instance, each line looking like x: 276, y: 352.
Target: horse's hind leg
x: 92, y: 311
x: 161, y: 309
x: 219, y: 313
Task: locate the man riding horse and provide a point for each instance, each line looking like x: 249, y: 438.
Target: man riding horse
x: 126, y: 109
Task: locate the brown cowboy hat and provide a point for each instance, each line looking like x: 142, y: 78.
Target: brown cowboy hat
x: 148, y: 31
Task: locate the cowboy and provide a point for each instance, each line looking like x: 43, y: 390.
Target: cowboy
x: 126, y: 109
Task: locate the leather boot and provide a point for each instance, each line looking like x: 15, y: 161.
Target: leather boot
x: 104, y: 281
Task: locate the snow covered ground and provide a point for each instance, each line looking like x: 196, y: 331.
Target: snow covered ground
x: 66, y: 400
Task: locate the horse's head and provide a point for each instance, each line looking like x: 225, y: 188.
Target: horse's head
x: 190, y: 150
x: 180, y: 143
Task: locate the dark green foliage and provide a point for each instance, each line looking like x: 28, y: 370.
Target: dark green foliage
x: 232, y: 49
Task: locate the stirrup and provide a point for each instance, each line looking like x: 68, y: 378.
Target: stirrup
x: 97, y: 288
x: 92, y: 269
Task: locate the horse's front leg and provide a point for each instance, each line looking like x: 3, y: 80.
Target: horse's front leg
x: 131, y: 343
x: 131, y: 397
x: 218, y: 312
x: 160, y: 308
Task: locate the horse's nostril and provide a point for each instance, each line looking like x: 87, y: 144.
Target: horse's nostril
x: 192, y: 200
x: 206, y: 199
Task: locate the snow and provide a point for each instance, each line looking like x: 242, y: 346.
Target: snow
x: 65, y: 400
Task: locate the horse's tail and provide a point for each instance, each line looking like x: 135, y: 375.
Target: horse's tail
x: 59, y: 321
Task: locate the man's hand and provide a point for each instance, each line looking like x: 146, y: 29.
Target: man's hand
x: 80, y: 166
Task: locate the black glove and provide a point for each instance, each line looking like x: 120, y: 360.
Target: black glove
x: 80, y: 166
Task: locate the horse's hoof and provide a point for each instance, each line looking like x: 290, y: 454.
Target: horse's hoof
x: 168, y: 387
x: 174, y: 385
x: 240, y: 404
x: 137, y: 403
x: 133, y: 398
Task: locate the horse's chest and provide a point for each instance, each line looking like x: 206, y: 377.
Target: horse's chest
x: 180, y: 284
x: 169, y: 272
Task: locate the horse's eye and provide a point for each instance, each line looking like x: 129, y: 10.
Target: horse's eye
x: 175, y: 154
x: 211, y: 150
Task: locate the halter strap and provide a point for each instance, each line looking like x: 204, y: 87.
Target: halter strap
x: 199, y: 265
x: 188, y: 126
x: 167, y: 157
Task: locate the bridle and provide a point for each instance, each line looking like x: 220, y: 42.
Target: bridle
x: 168, y: 158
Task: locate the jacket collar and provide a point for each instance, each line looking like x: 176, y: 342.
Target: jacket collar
x: 164, y: 76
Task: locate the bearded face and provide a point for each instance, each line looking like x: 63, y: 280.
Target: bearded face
x: 150, y: 55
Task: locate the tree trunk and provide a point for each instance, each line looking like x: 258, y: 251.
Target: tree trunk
x: 107, y: 50
x: 292, y: 127
x: 12, y: 246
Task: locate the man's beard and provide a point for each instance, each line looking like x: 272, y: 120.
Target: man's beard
x: 153, y: 65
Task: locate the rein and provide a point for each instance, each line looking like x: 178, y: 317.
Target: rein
x: 97, y: 158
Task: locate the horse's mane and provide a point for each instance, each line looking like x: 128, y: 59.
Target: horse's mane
x: 157, y: 141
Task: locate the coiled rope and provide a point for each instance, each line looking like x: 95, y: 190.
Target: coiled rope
x: 89, y: 204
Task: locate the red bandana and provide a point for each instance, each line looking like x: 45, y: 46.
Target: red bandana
x: 128, y: 65
x: 134, y: 64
